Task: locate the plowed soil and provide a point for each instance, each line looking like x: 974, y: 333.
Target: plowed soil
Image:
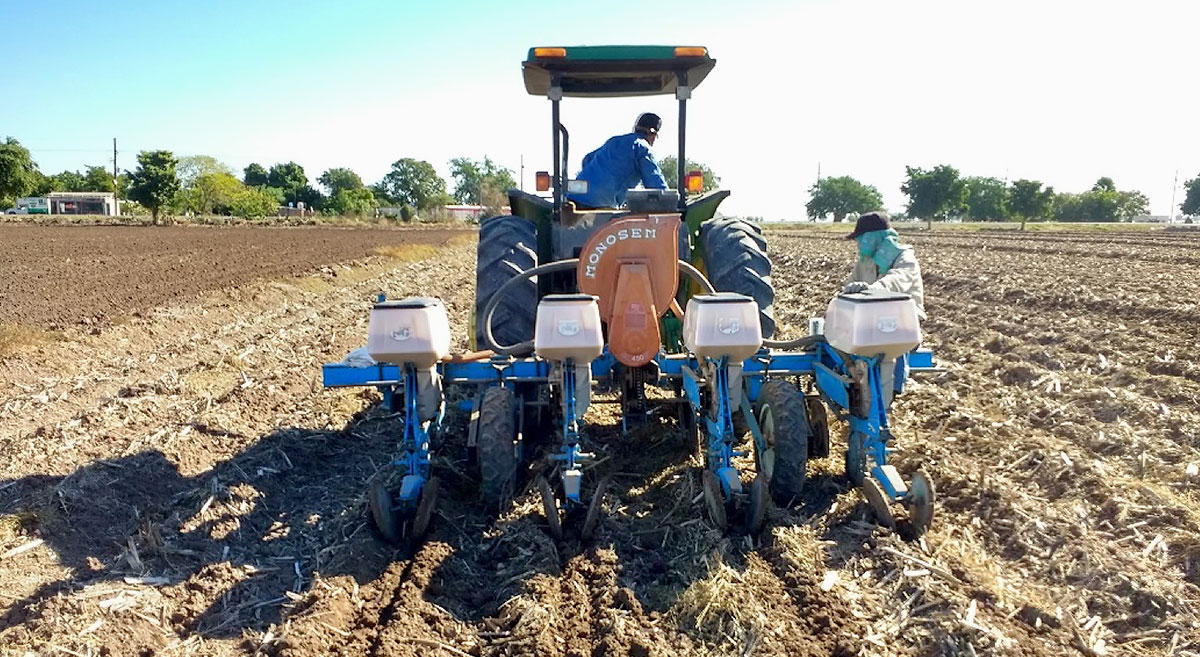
x: 179, y: 483
x: 58, y: 276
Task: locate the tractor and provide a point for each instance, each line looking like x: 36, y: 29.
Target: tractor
x: 660, y: 293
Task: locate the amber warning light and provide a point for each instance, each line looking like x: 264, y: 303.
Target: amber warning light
x: 550, y: 52
x: 543, y: 181
x: 691, y: 51
x: 694, y: 181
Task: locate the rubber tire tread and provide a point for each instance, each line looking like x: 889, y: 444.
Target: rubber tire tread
x: 507, y: 246
x: 496, y: 446
x: 791, y: 439
x: 736, y: 260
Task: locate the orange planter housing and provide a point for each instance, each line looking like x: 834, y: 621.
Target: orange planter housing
x: 630, y: 264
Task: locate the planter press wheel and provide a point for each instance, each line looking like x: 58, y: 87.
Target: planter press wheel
x: 550, y: 508
x: 383, y: 512
x: 879, y: 502
x: 690, y: 427
x: 595, y: 508
x: 920, y: 500
x: 714, y: 499
x: 818, y: 425
x: 856, y: 458
x: 758, y: 505
x: 425, y: 508
x: 783, y: 420
x: 496, y: 447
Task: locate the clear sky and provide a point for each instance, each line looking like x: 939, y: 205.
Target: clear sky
x: 1059, y: 91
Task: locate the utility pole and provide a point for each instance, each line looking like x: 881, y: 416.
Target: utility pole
x: 116, y: 198
x: 1171, y: 210
x: 522, y: 172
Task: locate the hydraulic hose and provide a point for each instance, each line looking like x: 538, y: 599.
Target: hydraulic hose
x: 526, y: 347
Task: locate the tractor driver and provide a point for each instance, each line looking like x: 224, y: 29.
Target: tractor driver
x: 621, y: 163
x: 885, y: 264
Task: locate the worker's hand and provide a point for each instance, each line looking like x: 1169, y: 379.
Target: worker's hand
x: 855, y: 286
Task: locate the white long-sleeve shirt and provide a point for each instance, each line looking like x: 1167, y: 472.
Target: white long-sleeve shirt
x: 904, y: 276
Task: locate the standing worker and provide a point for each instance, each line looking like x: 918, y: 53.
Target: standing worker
x: 885, y: 264
x: 620, y: 164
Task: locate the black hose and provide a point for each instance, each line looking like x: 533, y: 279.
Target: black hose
x: 526, y: 347
x: 795, y: 343
x: 694, y: 274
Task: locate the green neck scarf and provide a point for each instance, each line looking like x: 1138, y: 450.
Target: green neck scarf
x: 882, y: 246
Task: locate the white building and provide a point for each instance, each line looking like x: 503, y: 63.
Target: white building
x: 104, y: 203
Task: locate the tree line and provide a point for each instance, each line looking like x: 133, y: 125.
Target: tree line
x: 201, y: 185
x: 941, y: 194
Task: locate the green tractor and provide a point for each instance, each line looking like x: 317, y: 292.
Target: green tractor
x: 541, y: 229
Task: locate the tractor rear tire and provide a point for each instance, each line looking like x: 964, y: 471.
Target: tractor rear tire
x: 783, y: 419
x: 507, y: 247
x: 496, y: 447
x: 735, y: 258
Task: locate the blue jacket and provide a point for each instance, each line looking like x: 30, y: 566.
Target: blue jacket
x: 611, y: 170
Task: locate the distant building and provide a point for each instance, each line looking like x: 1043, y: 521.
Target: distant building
x: 104, y: 203
x: 33, y: 205
x: 469, y: 212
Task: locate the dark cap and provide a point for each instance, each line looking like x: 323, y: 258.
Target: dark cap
x: 868, y: 222
x: 648, y: 123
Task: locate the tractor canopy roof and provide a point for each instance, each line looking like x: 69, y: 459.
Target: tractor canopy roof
x: 606, y: 71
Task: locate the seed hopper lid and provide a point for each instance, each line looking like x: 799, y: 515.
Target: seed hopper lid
x: 564, y: 298
x: 411, y: 302
x: 873, y: 296
x: 721, y: 297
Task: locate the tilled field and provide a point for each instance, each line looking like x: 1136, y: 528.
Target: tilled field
x: 180, y: 484
x: 59, y: 276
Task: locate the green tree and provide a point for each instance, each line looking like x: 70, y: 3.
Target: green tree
x: 357, y: 201
x: 1191, y: 201
x: 287, y: 176
x: 340, y: 179
x: 841, y: 196
x: 1029, y: 202
x: 935, y: 194
x: 412, y: 182
x: 97, y: 179
x: 254, y: 202
x: 1132, y: 203
x: 18, y: 172
x: 191, y: 167
x: 290, y: 178
x: 1103, y: 202
x: 987, y: 199
x: 155, y: 182
x: 67, y: 181
x: 213, y: 193
x: 472, y: 180
x: 254, y: 175
x: 670, y: 171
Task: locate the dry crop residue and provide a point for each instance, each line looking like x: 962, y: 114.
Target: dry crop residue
x: 196, y: 492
